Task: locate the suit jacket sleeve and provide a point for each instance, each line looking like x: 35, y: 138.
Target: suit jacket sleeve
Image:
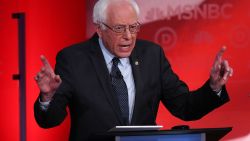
x: 56, y: 111
x: 185, y: 104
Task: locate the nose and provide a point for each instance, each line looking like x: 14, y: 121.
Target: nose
x: 127, y: 34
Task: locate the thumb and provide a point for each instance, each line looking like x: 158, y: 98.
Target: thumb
x: 58, y: 79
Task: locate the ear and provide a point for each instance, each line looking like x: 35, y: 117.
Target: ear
x: 98, y: 30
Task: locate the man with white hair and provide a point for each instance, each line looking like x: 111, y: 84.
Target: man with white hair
x: 115, y: 79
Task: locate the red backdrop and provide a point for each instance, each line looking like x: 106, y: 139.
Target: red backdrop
x: 190, y: 42
x: 50, y: 26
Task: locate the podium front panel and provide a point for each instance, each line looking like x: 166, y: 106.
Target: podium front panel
x: 183, y: 137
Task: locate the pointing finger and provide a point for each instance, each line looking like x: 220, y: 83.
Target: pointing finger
x: 226, y: 70
x: 218, y: 59
x: 220, y: 53
x: 46, y: 63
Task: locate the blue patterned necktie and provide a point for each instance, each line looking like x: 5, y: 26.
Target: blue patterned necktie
x: 120, y: 89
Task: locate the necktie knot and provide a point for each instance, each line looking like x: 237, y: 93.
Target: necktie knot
x: 115, y: 61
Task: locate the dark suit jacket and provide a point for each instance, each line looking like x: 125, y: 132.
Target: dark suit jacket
x: 86, y: 90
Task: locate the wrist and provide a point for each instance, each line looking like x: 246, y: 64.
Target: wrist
x: 216, y: 89
x: 46, y: 97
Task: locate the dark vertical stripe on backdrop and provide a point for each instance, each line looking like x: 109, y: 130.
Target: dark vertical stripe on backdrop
x: 22, y: 75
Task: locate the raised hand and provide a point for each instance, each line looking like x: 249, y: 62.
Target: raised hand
x: 220, y: 72
x: 47, y: 81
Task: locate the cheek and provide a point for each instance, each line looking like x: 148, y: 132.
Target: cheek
x: 134, y: 41
x: 110, y: 40
x: 115, y: 43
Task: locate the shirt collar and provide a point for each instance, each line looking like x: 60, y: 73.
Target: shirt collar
x: 109, y: 56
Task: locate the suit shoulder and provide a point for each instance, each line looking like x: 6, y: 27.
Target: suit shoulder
x: 75, y: 49
x: 147, y: 46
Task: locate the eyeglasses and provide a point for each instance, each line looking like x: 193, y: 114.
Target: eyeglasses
x: 133, y: 28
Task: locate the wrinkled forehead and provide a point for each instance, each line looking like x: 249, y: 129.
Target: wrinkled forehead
x: 121, y: 13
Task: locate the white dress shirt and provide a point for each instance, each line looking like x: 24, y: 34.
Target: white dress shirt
x: 126, y: 72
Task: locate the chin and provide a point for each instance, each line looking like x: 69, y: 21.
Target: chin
x: 123, y: 55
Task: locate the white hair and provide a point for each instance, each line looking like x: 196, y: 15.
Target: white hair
x: 100, y: 9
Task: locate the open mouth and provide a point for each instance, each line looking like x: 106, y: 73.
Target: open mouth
x: 125, y: 46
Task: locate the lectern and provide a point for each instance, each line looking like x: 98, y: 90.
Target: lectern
x: 205, y: 134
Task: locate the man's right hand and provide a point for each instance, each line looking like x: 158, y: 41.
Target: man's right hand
x: 47, y: 80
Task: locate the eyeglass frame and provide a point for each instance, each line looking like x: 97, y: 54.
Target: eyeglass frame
x: 138, y: 25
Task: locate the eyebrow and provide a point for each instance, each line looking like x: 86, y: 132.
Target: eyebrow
x: 125, y: 24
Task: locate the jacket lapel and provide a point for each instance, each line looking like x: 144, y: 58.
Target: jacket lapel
x: 103, y: 75
x: 135, y: 64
